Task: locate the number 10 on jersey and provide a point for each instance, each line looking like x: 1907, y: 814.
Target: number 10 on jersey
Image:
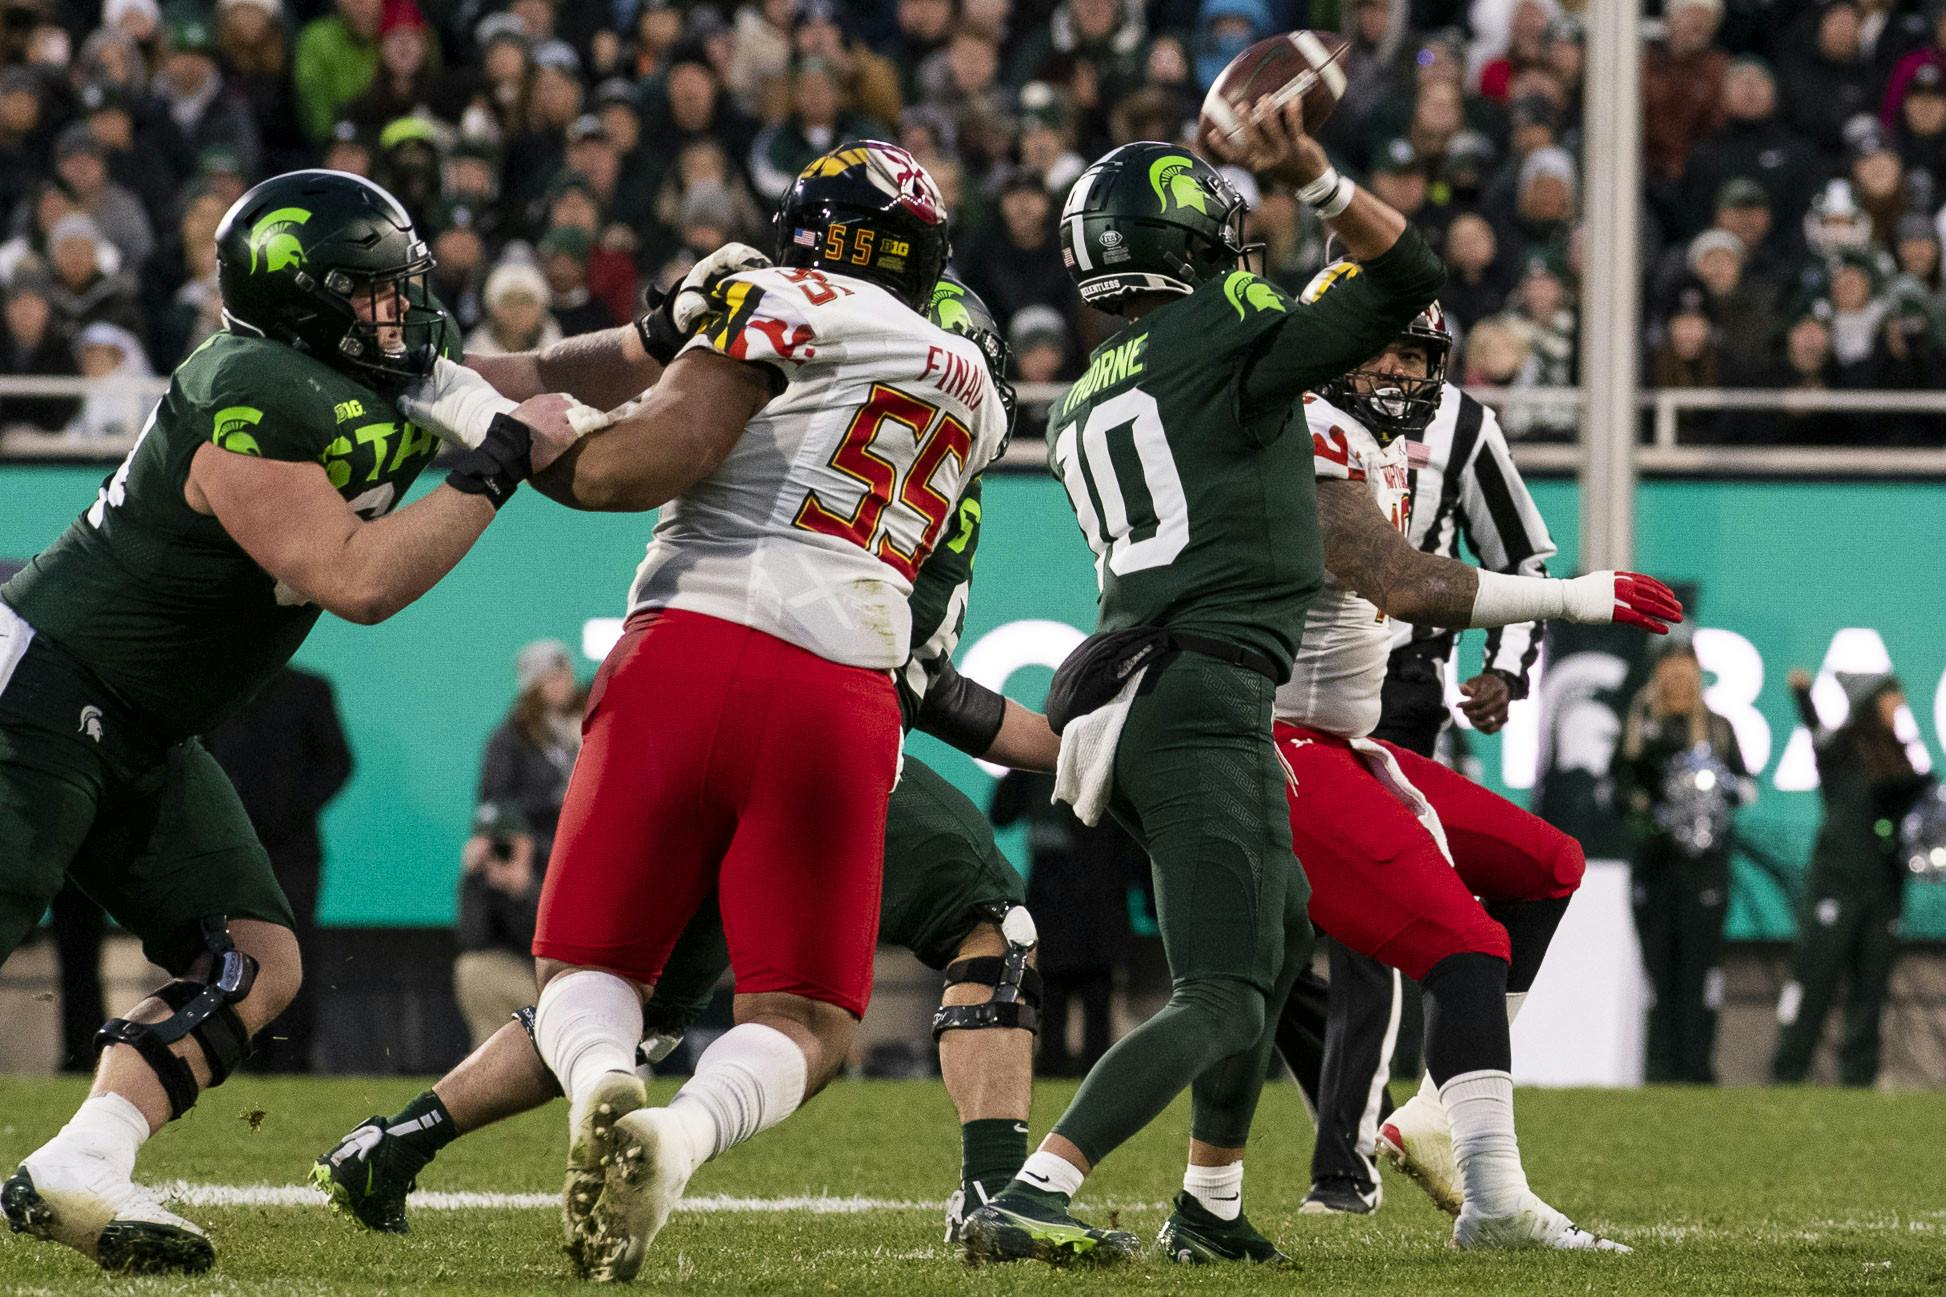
x: 936, y: 437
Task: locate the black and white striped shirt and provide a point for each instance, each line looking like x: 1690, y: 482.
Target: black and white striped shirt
x: 1470, y: 488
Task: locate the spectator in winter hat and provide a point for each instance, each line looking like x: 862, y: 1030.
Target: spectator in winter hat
x: 1399, y: 178
x: 1921, y: 131
x: 1526, y: 46
x: 1932, y: 51
x: 517, y: 318
x: 1476, y: 279
x: 1684, y: 352
x: 348, y: 149
x: 23, y: 137
x: 109, y: 355
x: 1877, y: 177
x: 82, y: 165
x: 1047, y: 136
x: 564, y: 264
x: 31, y: 346
x: 335, y: 60
x: 88, y: 284
x: 203, y: 108
x: 1915, y: 247
x: 1018, y: 262
x: 1743, y: 208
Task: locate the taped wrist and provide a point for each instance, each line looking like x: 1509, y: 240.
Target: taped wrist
x: 498, y: 464
x: 1503, y: 600
x: 1329, y: 195
x: 961, y: 712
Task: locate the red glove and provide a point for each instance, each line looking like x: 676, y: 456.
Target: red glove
x: 1646, y: 602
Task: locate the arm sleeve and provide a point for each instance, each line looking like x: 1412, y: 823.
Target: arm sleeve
x: 961, y: 712
x: 1506, y: 530
x: 1315, y: 342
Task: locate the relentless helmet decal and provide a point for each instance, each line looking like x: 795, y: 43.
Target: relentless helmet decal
x: 273, y: 237
x: 1173, y: 180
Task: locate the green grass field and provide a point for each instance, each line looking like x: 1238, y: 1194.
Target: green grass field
x: 1720, y: 1192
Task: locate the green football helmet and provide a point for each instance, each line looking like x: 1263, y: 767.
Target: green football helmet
x: 958, y: 309
x: 297, y: 257
x: 1149, y: 218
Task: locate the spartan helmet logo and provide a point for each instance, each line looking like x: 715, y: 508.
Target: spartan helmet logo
x: 274, y: 238
x: 948, y: 306
x: 1173, y: 179
x: 90, y: 722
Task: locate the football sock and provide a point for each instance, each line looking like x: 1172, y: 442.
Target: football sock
x: 1048, y: 1179
x: 587, y: 1023
x: 1218, y: 1188
x: 106, y: 1126
x: 424, y: 1125
x: 992, y: 1150
x: 749, y: 1079
x: 1530, y: 929
x: 1429, y: 1090
x: 1466, y: 1016
x: 1206, y: 1020
x: 1480, y: 1106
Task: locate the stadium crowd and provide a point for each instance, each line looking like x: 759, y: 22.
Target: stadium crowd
x: 560, y: 155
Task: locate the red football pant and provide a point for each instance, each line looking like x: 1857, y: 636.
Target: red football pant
x: 715, y: 755
x: 1379, y: 882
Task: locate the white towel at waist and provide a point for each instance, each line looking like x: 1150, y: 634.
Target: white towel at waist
x: 1084, y: 776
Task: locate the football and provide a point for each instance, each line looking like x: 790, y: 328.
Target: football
x: 1302, y: 65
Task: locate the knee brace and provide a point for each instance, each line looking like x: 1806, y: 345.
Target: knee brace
x: 203, y: 1011
x: 1016, y: 999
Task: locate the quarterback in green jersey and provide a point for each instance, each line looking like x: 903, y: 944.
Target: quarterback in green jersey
x: 261, y: 493
x: 949, y: 897
x: 1196, y: 492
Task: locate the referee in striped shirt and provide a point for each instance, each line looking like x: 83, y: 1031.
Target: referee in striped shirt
x: 1464, y: 487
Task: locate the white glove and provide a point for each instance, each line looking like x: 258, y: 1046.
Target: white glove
x: 455, y: 404
x: 692, y: 294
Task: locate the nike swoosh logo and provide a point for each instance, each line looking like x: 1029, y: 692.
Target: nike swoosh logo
x: 1235, y: 1197
x: 1038, y: 1178
x: 1020, y: 1128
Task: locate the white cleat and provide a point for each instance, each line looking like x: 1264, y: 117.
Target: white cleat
x: 1417, y: 1142
x: 648, y: 1164
x: 615, y: 1095
x: 80, y: 1200
x: 1535, y: 1225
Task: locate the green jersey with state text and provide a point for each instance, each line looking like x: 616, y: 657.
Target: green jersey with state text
x: 938, y: 603
x: 154, y: 598
x: 1203, y: 517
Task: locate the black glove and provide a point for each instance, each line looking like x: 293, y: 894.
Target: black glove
x: 656, y: 326
x: 498, y: 465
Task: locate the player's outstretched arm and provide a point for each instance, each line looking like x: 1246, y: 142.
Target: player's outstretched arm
x: 290, y: 519
x: 608, y: 368
x: 679, y: 433
x: 1364, y: 551
x: 1398, y: 275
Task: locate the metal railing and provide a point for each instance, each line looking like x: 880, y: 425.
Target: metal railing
x: 1663, y: 452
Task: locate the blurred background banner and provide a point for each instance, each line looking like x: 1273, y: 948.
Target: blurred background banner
x: 1833, y: 576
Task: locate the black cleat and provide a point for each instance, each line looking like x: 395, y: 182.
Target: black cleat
x: 1194, y: 1236
x: 368, y: 1174
x: 1012, y: 1228
x: 1341, y: 1195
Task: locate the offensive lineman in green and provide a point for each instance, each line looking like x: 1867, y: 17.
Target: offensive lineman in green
x: 1198, y: 499
x: 259, y: 495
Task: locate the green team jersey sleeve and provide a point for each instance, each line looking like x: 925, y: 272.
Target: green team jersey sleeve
x: 938, y: 603
x: 1315, y: 342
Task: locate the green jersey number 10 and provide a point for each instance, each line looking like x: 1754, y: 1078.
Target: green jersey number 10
x: 1122, y: 481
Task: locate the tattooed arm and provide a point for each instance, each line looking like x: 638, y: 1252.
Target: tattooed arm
x: 1367, y: 553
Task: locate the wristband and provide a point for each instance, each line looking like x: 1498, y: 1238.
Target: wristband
x: 1329, y: 195
x: 498, y: 464
x: 1516, y: 687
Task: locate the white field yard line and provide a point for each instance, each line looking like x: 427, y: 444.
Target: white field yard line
x: 187, y: 1194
